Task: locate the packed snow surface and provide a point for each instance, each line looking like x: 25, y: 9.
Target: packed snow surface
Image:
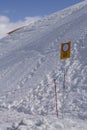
x: 29, y: 63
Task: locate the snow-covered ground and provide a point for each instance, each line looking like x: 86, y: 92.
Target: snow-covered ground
x: 30, y: 61
x: 17, y: 121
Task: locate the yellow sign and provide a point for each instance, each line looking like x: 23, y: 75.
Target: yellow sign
x: 65, y: 50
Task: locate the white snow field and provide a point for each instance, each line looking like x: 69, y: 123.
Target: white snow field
x: 30, y: 61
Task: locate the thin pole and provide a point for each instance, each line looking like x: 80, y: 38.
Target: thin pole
x: 56, y: 97
x: 63, y: 92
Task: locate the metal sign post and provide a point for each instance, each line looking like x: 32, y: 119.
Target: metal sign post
x: 64, y: 80
x: 56, y: 97
x: 64, y: 54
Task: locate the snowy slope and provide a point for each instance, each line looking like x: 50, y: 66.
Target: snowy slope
x: 30, y: 61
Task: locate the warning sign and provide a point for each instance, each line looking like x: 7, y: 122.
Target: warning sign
x: 65, y: 50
